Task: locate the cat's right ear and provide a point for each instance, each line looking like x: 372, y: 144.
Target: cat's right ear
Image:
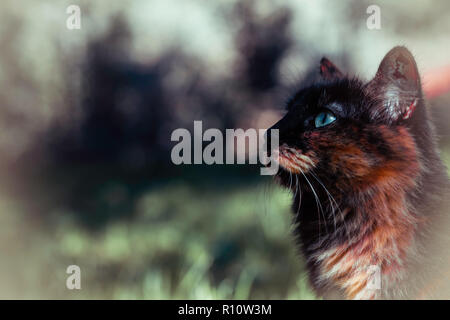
x: 329, y: 71
x: 396, y: 85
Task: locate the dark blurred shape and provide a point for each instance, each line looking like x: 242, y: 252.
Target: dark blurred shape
x: 121, y: 146
x: 123, y: 105
x: 262, y: 43
x: 225, y: 253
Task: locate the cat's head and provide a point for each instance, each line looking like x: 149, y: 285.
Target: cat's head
x: 354, y: 135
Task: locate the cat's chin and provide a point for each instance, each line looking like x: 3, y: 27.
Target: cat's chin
x: 286, y: 178
x: 294, y: 161
x: 287, y: 171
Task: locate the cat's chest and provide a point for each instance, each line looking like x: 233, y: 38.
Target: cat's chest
x: 366, y: 264
x: 360, y: 271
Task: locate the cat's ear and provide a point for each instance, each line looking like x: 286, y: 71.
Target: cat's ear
x: 328, y: 70
x: 397, y: 85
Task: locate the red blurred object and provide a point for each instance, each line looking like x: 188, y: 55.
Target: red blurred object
x: 436, y: 82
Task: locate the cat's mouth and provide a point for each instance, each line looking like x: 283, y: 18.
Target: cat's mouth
x: 293, y: 160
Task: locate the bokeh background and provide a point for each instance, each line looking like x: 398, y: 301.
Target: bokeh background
x: 86, y: 117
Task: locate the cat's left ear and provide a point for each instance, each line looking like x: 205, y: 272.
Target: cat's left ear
x: 397, y: 85
x: 329, y: 71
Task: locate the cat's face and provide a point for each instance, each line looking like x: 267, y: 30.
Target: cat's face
x: 353, y: 135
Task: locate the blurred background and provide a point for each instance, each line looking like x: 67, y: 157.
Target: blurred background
x: 86, y: 117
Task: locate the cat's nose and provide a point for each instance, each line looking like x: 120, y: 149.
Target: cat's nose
x: 282, y: 126
x: 289, y: 132
x: 268, y: 135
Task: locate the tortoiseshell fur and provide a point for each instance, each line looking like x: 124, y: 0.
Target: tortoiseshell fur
x: 368, y: 188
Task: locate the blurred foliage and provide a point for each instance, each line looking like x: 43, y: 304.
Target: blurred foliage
x: 232, y: 242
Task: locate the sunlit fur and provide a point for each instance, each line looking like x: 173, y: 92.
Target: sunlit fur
x: 369, y: 187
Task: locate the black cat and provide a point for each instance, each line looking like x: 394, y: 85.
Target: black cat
x: 369, y: 186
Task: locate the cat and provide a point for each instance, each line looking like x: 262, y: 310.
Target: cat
x: 369, y: 188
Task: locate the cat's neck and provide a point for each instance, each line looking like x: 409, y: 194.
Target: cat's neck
x: 358, y: 235
x: 372, y: 234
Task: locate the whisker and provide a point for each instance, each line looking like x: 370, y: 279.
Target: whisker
x: 297, y: 188
x: 290, y: 180
x: 335, y: 202
x: 329, y: 198
x: 319, y: 206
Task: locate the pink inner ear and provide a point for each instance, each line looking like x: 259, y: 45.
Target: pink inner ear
x: 410, y: 110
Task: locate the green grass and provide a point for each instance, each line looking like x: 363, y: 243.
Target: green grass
x: 183, y: 242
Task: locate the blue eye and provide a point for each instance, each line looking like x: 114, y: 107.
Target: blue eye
x: 324, y: 118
